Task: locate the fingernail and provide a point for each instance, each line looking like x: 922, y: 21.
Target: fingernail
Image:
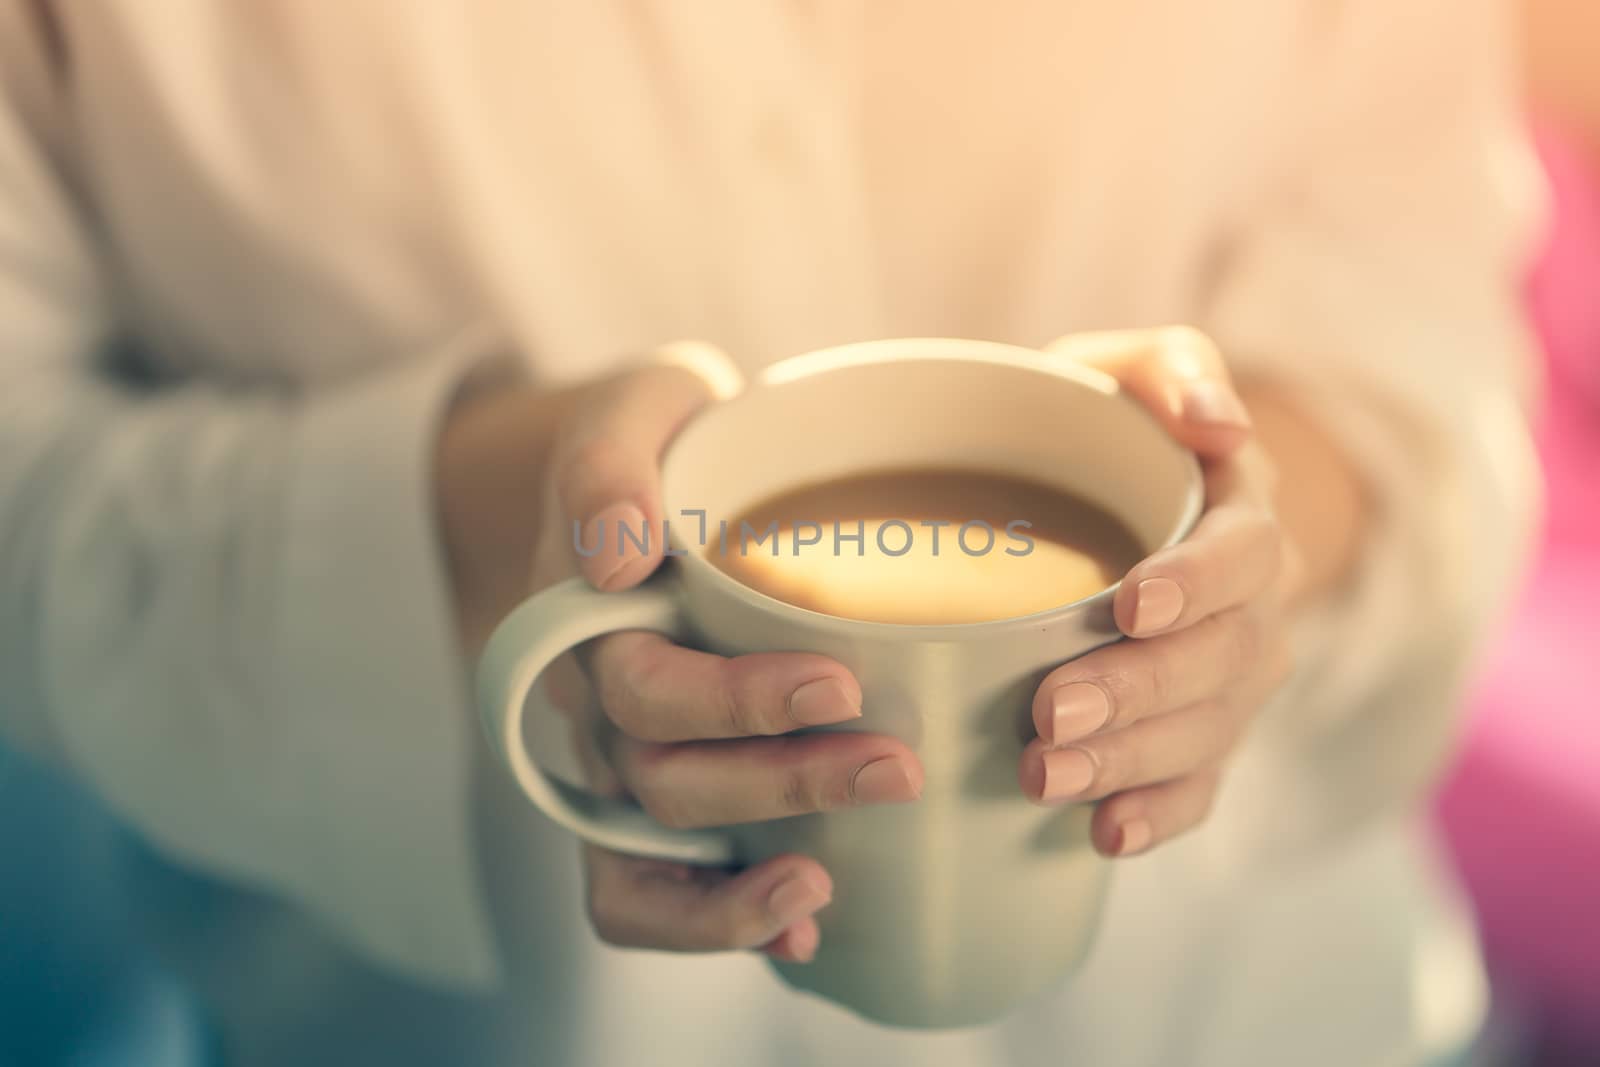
x: 1210, y: 401
x: 796, y: 897
x: 1067, y: 773
x: 1135, y: 838
x: 883, y: 781
x: 616, y: 549
x: 1159, y: 603
x: 821, y: 702
x: 1077, y: 710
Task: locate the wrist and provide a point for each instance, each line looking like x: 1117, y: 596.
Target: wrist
x: 1321, y: 499
x: 488, y: 476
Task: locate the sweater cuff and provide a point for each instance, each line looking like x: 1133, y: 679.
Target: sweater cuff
x: 368, y: 658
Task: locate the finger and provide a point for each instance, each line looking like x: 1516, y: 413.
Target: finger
x: 721, y: 783
x: 1154, y: 750
x: 1248, y: 477
x: 655, y: 690
x: 587, y: 745
x: 1232, y: 556
x: 565, y: 685
x: 797, y: 944
x: 705, y: 361
x: 569, y: 695
x: 1133, y: 822
x: 639, y: 903
x: 1123, y: 683
x: 606, y: 471
x: 1178, y: 374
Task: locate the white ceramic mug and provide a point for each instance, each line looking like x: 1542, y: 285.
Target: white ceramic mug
x: 952, y: 910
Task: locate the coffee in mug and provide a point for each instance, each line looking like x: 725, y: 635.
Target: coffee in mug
x: 925, y: 546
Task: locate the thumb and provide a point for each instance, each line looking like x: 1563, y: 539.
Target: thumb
x: 607, y: 468
x: 1178, y: 374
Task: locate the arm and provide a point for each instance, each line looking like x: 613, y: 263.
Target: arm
x: 242, y: 617
x: 1372, y: 307
x: 258, y: 676
x: 1368, y: 304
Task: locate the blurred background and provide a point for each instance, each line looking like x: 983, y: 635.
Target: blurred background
x: 1519, y: 811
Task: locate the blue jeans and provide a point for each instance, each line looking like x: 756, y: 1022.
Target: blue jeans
x: 77, y: 989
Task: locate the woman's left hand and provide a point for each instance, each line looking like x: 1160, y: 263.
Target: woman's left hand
x: 1145, y: 726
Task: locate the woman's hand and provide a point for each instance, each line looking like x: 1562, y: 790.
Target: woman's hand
x: 1146, y: 725
x: 699, y: 740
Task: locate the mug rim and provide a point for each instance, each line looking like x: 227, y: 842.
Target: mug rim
x: 923, y: 349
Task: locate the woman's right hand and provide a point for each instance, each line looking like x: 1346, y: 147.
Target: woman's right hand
x: 699, y: 740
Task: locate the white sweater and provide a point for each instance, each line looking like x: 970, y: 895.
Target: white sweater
x: 222, y: 604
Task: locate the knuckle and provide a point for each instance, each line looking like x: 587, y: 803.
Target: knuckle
x: 594, y: 458
x: 728, y: 706
x: 1116, y: 765
x: 798, y: 793
x: 667, y: 807
x: 648, y: 776
x: 622, y: 694
x: 646, y: 763
x: 1126, y: 690
x: 1157, y: 683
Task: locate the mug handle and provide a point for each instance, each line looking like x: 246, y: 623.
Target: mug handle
x: 526, y: 642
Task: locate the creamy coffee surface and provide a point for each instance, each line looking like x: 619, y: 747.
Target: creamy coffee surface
x: 925, y: 546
